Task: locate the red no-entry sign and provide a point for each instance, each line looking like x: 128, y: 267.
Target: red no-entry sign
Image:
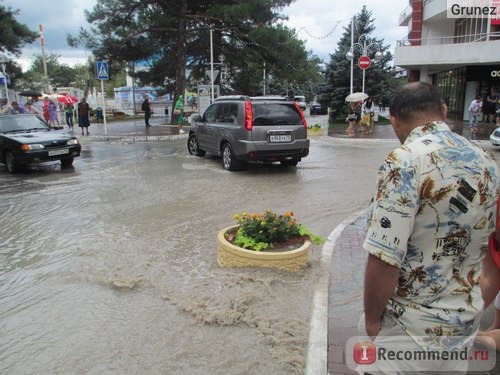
x: 364, y: 62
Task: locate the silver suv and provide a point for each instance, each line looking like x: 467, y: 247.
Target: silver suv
x: 250, y: 130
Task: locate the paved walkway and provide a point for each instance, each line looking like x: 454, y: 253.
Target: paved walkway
x: 337, y: 302
x: 345, y: 297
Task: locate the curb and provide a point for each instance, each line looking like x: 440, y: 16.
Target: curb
x: 131, y: 139
x: 317, y: 348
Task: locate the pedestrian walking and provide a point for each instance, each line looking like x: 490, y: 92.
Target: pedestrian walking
x: 53, y: 113
x: 83, y: 115
x: 351, y: 118
x: 179, y: 112
x: 38, y: 105
x: 474, y: 111
x: 368, y: 113
x: 46, y: 113
x: 489, y: 107
x: 15, y: 108
x: 428, y: 229
x: 30, y: 108
x: 69, y: 111
x: 147, y: 110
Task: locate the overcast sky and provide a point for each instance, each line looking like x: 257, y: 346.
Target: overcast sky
x: 313, y: 19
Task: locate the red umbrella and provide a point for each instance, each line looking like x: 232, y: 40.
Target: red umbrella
x: 67, y: 99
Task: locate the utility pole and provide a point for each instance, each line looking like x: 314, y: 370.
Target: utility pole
x: 42, y: 44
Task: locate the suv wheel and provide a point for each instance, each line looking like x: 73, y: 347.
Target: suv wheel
x: 193, y: 146
x: 289, y: 163
x: 229, y: 162
x: 11, y: 163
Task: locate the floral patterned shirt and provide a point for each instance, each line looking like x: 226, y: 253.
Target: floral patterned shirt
x: 433, y: 210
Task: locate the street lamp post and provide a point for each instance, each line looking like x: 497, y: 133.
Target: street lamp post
x: 364, y: 48
x: 221, y: 59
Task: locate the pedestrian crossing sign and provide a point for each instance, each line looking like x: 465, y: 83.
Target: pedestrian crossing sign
x: 102, y: 70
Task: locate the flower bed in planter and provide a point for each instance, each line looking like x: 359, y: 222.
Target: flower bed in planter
x: 230, y: 255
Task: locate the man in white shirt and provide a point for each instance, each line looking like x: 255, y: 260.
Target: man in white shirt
x: 428, y: 231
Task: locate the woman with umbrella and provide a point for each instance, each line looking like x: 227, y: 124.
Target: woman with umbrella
x: 69, y: 109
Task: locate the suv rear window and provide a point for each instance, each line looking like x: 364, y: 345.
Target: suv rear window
x: 275, y: 114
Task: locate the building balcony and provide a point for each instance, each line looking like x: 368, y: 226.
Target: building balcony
x: 438, y: 54
x: 405, y: 16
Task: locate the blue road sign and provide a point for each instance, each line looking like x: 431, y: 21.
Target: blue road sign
x: 102, y: 70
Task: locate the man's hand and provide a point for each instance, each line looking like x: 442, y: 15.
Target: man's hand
x: 372, y: 328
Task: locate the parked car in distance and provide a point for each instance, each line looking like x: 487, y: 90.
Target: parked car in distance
x: 301, y: 101
x: 27, y: 139
x: 318, y: 109
x: 495, y: 137
x: 250, y: 131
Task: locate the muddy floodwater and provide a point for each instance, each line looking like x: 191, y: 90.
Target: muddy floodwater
x: 110, y: 267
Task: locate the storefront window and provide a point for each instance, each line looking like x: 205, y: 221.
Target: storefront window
x: 451, y: 86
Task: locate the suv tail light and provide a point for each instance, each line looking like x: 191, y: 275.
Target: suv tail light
x: 301, y: 114
x: 248, y: 116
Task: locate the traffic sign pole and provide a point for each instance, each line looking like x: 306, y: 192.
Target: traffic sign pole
x: 102, y: 74
x: 104, y: 106
x: 364, y: 63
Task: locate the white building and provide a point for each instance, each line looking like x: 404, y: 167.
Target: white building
x: 454, y: 46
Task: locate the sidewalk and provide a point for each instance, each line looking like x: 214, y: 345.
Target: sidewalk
x: 130, y: 129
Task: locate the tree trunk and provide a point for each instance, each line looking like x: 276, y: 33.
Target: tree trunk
x: 180, y: 69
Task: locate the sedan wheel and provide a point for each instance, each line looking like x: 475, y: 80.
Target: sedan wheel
x: 193, y: 146
x: 11, y: 163
x: 66, y: 163
x: 229, y: 162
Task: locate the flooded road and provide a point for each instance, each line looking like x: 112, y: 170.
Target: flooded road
x: 111, y: 267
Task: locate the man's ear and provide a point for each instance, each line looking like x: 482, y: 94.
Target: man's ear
x: 394, y: 122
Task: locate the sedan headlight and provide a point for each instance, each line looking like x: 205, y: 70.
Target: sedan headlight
x: 72, y: 142
x: 34, y: 146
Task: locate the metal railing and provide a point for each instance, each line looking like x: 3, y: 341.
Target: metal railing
x: 455, y: 39
x: 405, y: 14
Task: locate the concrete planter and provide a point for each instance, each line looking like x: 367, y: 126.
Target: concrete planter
x: 229, y: 255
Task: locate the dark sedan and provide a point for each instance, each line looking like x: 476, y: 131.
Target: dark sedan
x: 318, y: 109
x: 27, y: 139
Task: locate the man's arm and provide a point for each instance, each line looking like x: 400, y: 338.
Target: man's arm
x: 490, y: 277
x: 380, y: 281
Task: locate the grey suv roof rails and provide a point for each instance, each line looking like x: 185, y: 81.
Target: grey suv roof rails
x: 270, y: 97
x: 233, y: 97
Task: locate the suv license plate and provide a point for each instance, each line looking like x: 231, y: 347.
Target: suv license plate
x: 61, y: 151
x: 280, y: 138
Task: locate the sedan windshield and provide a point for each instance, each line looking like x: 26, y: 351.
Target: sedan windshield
x: 11, y: 124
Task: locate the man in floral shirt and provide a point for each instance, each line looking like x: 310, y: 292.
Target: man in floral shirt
x: 428, y: 231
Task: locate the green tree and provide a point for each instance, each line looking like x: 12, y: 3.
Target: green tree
x: 173, y: 39
x: 337, y: 74
x: 59, y: 75
x: 13, y: 35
